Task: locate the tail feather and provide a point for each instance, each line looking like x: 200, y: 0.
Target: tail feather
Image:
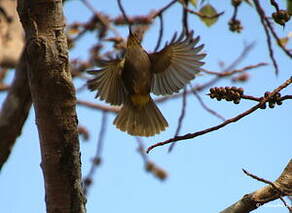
x: 144, y: 120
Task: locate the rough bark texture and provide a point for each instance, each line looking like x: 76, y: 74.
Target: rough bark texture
x: 11, y: 34
x: 264, y: 195
x: 53, y: 97
x: 14, y: 111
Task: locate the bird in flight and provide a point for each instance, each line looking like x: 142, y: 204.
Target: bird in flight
x: 129, y: 80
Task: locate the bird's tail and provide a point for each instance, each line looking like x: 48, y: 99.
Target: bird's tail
x: 144, y: 120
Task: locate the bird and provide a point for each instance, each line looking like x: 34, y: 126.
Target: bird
x: 128, y: 80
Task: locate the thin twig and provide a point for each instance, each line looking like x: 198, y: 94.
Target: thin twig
x: 150, y: 166
x: 141, y: 149
x: 161, y: 30
x: 97, y: 158
x: 275, y: 5
x: 249, y: 97
x: 216, y: 114
x: 246, y: 50
x: 124, y: 14
x: 288, y: 53
x: 228, y: 73
x: 227, y: 122
x: 89, y: 6
x: 181, y: 117
x: 101, y: 107
x: 159, y: 12
x: 185, y: 18
x: 264, y: 23
x: 200, y: 14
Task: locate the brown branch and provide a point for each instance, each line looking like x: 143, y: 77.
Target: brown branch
x: 216, y: 114
x: 185, y: 21
x: 124, y: 14
x: 249, y: 97
x: 264, y: 23
x: 288, y: 53
x: 227, y: 122
x: 228, y: 73
x: 274, y: 4
x: 162, y: 10
x: 101, y: 107
x: 96, y: 162
x: 181, y: 117
x: 83, y: 131
x: 14, y: 111
x: 252, y: 201
x: 161, y: 30
x: 150, y: 166
x: 272, y: 184
x: 54, y: 101
x: 89, y: 6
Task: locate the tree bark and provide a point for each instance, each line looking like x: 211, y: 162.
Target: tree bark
x: 54, y: 101
x: 252, y: 201
x: 16, y: 106
x: 14, y: 111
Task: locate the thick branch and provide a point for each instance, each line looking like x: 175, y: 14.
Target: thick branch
x: 54, y: 101
x: 14, y: 111
x: 11, y: 34
x: 264, y: 195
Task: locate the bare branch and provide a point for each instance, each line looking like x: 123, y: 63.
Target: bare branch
x: 272, y: 184
x: 227, y: 122
x: 181, y: 117
x: 88, y: 180
x: 264, y: 23
x: 14, y: 111
x: 252, y: 201
x: 99, y: 106
x: 216, y: 114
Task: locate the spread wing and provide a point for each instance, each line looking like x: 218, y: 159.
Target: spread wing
x: 108, y: 82
x: 176, y: 64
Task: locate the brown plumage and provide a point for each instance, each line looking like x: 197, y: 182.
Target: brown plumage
x: 128, y: 81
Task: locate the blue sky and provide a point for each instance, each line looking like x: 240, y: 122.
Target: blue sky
x: 204, y: 173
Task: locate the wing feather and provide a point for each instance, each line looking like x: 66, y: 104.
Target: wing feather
x: 108, y: 82
x: 176, y: 64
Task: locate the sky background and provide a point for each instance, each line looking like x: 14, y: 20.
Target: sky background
x: 204, y: 173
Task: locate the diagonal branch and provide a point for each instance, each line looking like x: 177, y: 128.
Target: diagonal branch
x: 14, y: 111
x: 225, y: 123
x: 252, y: 201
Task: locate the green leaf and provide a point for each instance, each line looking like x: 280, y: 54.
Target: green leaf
x: 193, y: 2
x: 283, y: 41
x: 289, y: 7
x: 209, y: 11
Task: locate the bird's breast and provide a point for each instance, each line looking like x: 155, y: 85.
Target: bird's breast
x: 136, y: 74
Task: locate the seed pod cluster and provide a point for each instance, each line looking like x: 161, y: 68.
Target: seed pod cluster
x: 236, y: 3
x: 275, y: 99
x: 228, y: 93
x: 235, y: 25
x: 281, y: 17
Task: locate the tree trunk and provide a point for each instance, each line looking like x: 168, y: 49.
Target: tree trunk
x: 54, y: 101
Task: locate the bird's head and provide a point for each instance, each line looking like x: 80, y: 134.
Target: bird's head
x: 134, y: 38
